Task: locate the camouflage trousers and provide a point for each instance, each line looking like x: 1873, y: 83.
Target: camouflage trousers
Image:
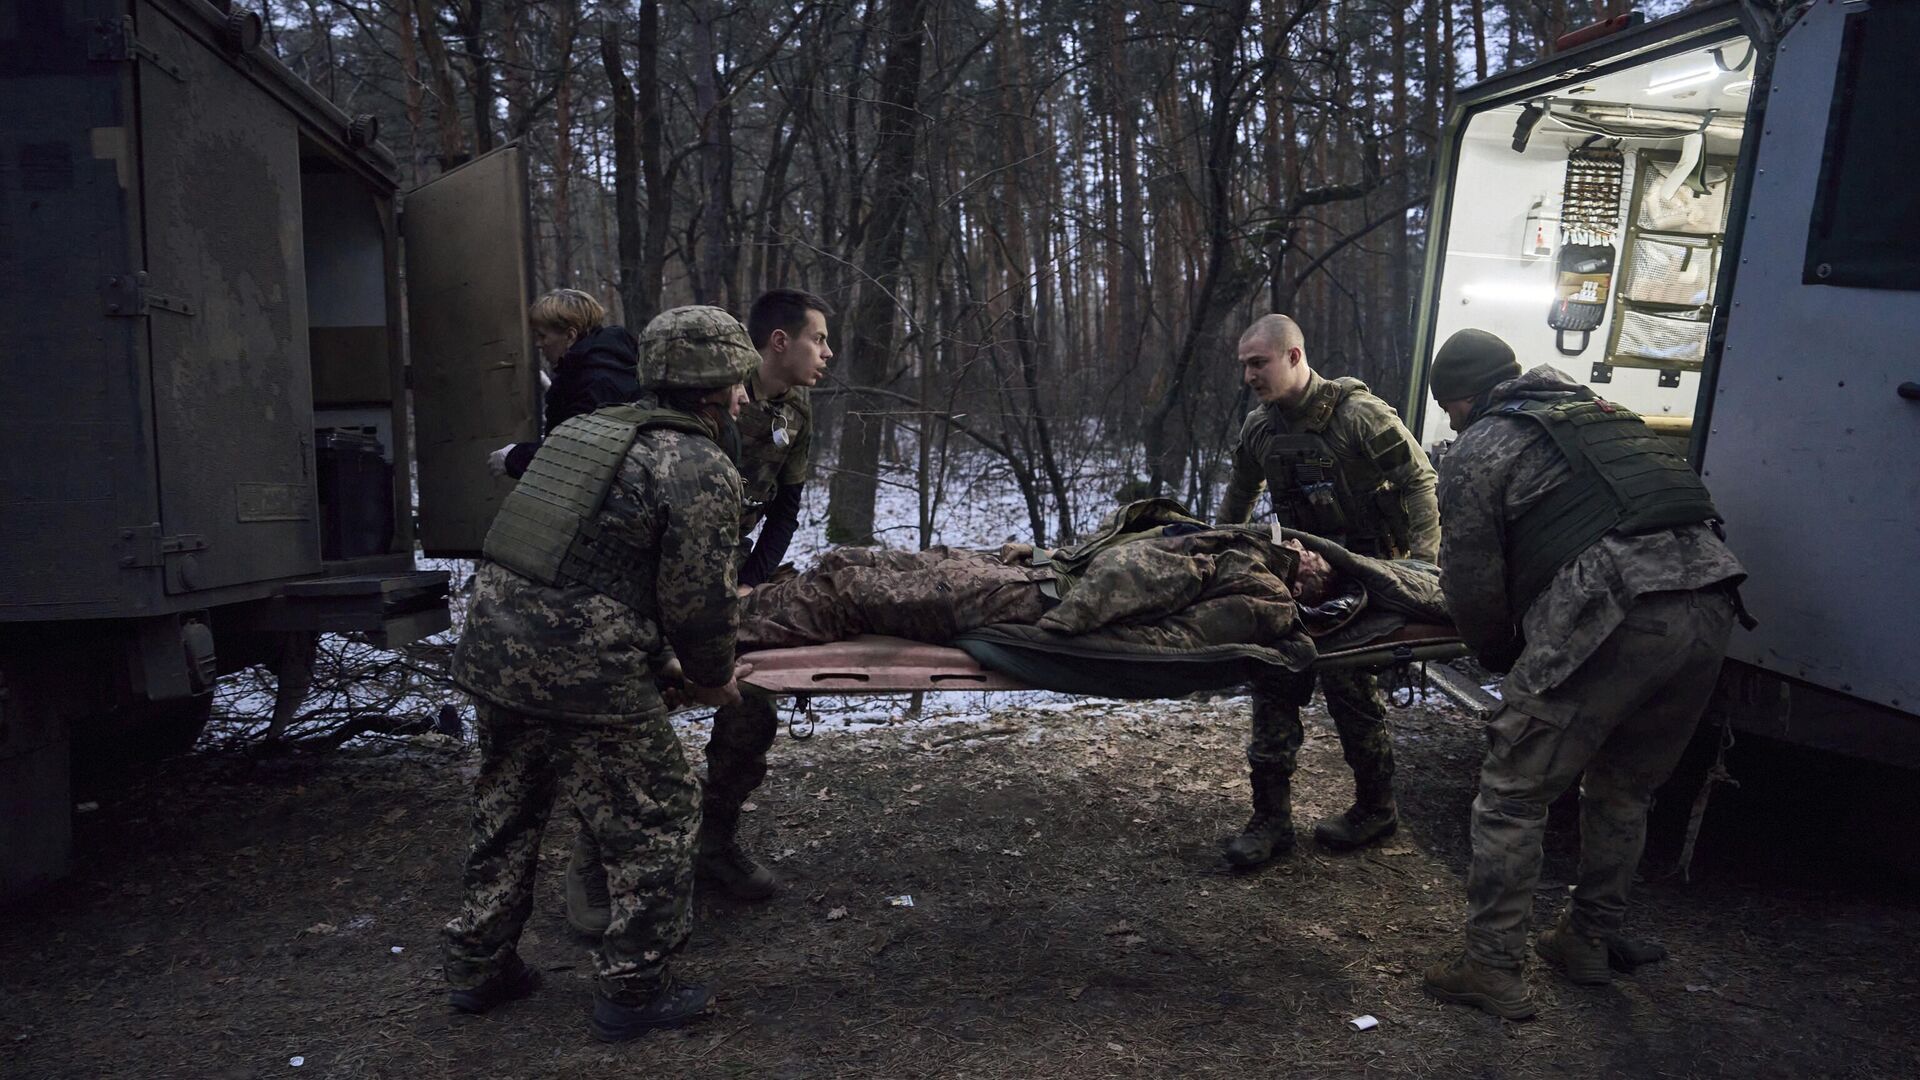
x: 931, y: 596
x: 736, y: 764
x: 1359, y: 715
x: 1629, y: 712
x: 630, y: 785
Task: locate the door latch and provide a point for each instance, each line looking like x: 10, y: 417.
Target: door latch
x: 127, y: 295
x: 112, y: 40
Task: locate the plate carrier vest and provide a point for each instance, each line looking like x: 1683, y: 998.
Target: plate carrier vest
x: 1625, y: 480
x: 548, y: 529
x: 1347, y: 500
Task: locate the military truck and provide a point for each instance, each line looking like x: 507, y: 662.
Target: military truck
x: 234, y: 360
x: 1761, y: 304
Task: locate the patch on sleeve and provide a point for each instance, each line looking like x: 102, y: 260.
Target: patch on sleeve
x: 1389, y: 449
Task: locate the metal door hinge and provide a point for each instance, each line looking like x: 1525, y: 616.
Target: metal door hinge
x: 127, y: 295
x: 112, y: 40
x: 142, y: 545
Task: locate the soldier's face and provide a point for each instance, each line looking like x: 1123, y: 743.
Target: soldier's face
x: 1273, y: 374
x: 1457, y: 412
x: 553, y: 344
x: 801, y: 359
x: 728, y: 399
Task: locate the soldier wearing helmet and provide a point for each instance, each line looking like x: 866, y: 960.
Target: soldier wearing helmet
x: 616, y: 547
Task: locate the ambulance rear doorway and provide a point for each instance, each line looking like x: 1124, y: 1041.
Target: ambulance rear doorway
x: 1586, y: 223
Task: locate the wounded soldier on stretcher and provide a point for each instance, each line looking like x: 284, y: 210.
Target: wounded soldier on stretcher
x: 1155, y: 603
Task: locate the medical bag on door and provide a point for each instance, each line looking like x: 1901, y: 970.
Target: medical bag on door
x: 1589, y: 215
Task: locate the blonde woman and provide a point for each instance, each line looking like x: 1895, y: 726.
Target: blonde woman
x: 592, y: 364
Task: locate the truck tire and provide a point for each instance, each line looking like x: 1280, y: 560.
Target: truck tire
x: 106, y: 746
x: 165, y: 729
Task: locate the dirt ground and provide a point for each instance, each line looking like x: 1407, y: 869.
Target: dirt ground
x: 1070, y: 918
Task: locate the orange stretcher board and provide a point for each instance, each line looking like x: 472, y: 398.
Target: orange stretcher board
x: 876, y: 664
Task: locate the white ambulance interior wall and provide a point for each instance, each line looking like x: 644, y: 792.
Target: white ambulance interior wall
x: 1487, y: 282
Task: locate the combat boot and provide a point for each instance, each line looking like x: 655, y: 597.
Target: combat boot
x: 1580, y: 958
x: 589, y: 908
x: 1269, y: 832
x: 737, y: 873
x: 1369, y: 754
x: 511, y: 983
x: 1466, y: 981
x: 1357, y: 826
x: 675, y: 1003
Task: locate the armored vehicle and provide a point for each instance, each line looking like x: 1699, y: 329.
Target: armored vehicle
x: 234, y: 361
x: 1709, y: 219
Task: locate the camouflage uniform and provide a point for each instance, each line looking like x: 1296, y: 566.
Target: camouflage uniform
x: 1367, y: 444
x: 931, y: 595
x: 775, y: 436
x: 564, y: 680
x: 1611, y: 667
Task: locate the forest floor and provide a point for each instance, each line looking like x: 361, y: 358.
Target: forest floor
x: 243, y: 916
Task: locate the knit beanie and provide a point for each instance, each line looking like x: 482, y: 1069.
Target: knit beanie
x: 1471, y: 363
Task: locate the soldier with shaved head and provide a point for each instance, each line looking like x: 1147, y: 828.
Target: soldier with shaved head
x: 1339, y: 464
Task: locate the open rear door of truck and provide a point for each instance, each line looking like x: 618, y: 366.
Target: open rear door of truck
x: 224, y: 304
x: 475, y: 376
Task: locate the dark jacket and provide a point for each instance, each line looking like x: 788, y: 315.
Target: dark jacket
x: 600, y: 369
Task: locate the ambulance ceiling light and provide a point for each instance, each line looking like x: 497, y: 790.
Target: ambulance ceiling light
x: 1674, y: 82
x: 1507, y: 291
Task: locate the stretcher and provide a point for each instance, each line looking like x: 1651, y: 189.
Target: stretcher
x: 874, y: 664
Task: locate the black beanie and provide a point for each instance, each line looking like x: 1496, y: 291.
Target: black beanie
x: 1471, y: 363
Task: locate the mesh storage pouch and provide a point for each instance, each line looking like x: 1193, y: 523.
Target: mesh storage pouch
x: 1669, y: 271
x: 1690, y: 209
x: 1674, y: 340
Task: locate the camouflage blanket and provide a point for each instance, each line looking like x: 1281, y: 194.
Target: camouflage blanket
x: 1166, y: 594
x: 1153, y: 583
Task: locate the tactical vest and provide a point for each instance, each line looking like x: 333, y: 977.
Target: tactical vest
x: 1625, y: 481
x: 1348, y: 500
x: 548, y: 528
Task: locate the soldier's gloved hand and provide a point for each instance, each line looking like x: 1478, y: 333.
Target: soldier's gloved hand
x: 1502, y: 659
x: 714, y: 696
x: 497, y: 461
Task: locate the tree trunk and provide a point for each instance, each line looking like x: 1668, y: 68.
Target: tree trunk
x: 410, y: 70
x: 870, y: 351
x: 656, y: 175
x: 453, y: 140
x: 715, y: 118
x: 1479, y: 9
x: 1224, y: 38
x: 480, y: 72
x: 626, y: 191
x: 563, y: 150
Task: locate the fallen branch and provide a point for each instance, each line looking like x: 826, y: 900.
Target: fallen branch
x: 981, y: 733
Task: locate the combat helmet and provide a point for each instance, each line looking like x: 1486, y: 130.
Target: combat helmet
x: 696, y: 347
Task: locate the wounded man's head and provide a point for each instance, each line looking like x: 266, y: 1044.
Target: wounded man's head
x: 1312, y: 578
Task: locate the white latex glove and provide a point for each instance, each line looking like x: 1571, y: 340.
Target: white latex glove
x: 497, y: 461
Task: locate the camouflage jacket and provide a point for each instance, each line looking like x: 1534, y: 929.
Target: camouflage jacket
x: 1499, y: 467
x: 776, y: 435
x: 1359, y: 429
x: 571, y: 652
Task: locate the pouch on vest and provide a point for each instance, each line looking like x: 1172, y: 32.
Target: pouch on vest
x: 1585, y: 276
